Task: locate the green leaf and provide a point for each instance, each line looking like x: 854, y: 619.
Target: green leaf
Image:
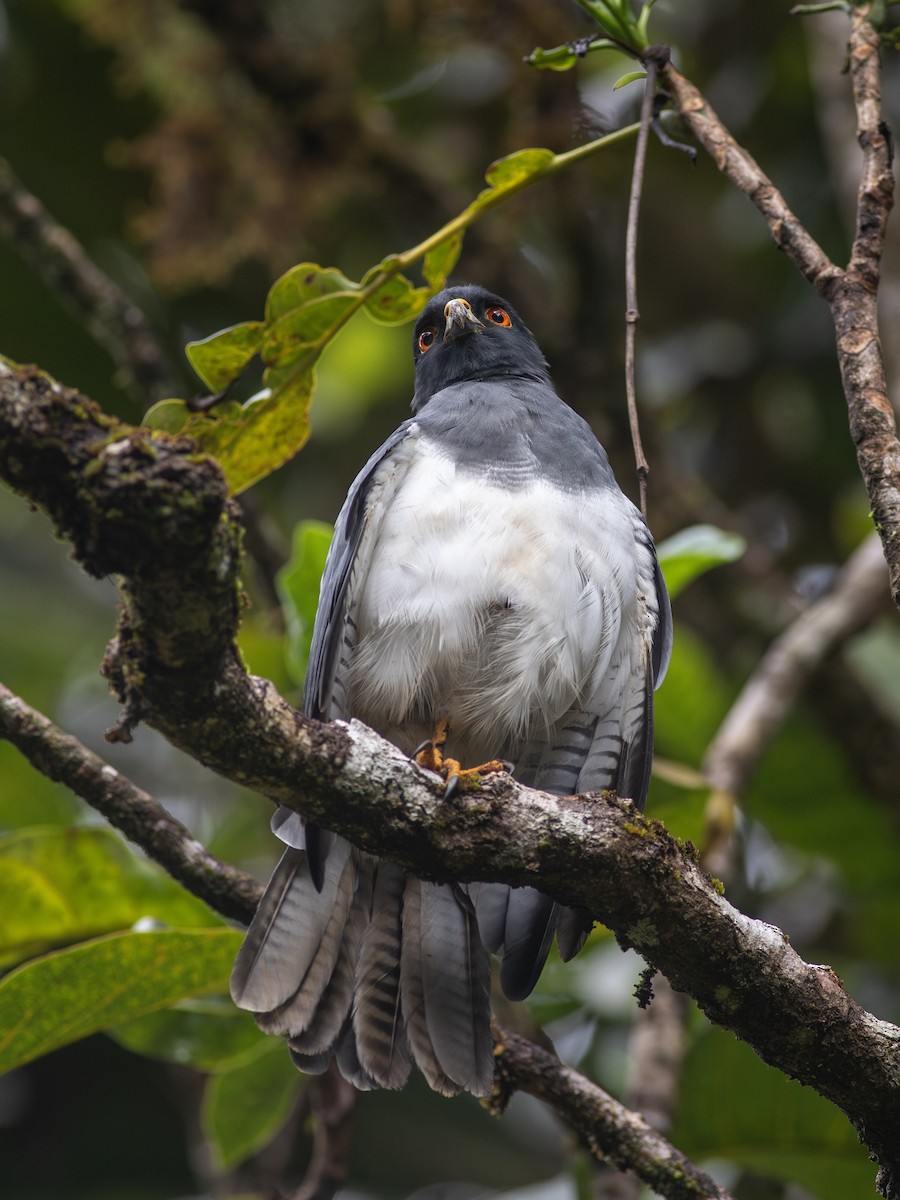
x: 244, y: 1108
x: 59, y: 886
x: 694, y: 551
x: 563, y: 58
x: 69, y: 994
x: 624, y: 80
x: 733, y: 1106
x: 615, y: 18
x: 298, y: 586
x: 211, y: 1035
x: 265, y: 433
x: 511, y: 172
x: 304, y: 329
x: 220, y: 358
x: 440, y: 261
x: 397, y: 300
x: 300, y: 285
x: 168, y: 416
x: 691, y: 703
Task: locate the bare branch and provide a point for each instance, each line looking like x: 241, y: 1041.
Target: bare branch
x: 632, y: 314
x: 851, y: 293
x: 110, y: 317
x: 771, y: 691
x: 142, y: 819
x: 149, y: 509
x: 611, y: 1132
x: 608, y: 1128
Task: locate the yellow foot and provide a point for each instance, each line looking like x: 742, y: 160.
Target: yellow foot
x: 431, y: 757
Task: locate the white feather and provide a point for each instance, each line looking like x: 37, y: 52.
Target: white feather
x: 502, y: 608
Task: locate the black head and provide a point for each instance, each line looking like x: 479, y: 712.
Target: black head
x: 468, y: 333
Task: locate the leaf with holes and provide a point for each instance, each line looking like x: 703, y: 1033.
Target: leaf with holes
x: 397, y: 300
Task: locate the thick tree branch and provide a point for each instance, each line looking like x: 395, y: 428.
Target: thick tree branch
x: 851, y: 293
x: 146, y: 507
x: 611, y: 1131
x: 110, y: 317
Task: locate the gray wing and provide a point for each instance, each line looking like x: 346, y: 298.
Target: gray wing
x: 334, y: 633
x: 606, y: 744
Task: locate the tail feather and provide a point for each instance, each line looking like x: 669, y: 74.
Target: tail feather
x: 309, y: 1000
x: 445, y: 976
x: 321, y: 1031
x: 378, y: 1026
x: 346, y: 1053
x: 530, y: 925
x: 286, y: 933
x: 456, y: 974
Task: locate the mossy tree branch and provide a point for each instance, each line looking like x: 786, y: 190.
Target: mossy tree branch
x: 147, y: 508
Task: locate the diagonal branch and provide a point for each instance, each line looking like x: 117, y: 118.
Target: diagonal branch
x: 785, y: 669
x: 851, y: 293
x: 146, y: 507
x: 612, y: 1133
x: 108, y: 314
x: 232, y: 893
x: 610, y: 1130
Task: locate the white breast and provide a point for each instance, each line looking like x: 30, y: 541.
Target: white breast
x: 500, y: 608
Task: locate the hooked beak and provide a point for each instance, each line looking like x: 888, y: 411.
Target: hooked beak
x: 460, y: 319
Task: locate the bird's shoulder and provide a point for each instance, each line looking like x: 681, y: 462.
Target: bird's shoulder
x: 515, y: 429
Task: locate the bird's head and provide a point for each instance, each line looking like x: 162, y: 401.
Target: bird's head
x: 467, y: 333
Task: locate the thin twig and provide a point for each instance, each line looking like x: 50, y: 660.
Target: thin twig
x: 108, y: 314
x: 142, y: 819
x: 632, y: 315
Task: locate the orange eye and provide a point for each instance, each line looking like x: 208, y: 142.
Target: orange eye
x: 499, y: 316
x: 426, y: 337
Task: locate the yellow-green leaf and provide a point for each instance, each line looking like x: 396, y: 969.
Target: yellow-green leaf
x: 515, y: 169
x: 220, y: 358
x: 630, y: 77
x: 440, y: 261
x: 397, y: 300
x: 304, y: 328
x: 299, y: 285
x: 72, y: 993
x: 168, y: 416
x: 268, y: 432
x: 244, y: 1108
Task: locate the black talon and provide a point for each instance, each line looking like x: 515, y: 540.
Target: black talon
x: 452, y: 787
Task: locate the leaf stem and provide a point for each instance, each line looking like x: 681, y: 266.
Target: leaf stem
x: 486, y: 200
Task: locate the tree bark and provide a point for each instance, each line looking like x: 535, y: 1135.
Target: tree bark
x: 146, y: 507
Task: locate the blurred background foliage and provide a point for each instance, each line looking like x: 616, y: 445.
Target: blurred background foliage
x: 197, y: 149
